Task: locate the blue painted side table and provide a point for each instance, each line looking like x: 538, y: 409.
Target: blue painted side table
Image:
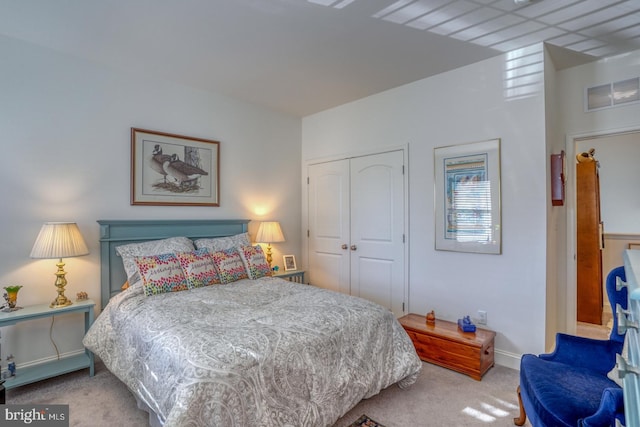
x: 54, y: 368
x: 292, y: 276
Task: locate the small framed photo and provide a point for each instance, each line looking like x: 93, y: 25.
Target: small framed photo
x: 289, y: 262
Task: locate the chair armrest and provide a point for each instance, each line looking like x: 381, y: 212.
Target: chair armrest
x: 611, y: 407
x: 597, y: 355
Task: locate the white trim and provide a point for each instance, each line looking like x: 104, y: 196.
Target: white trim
x: 616, y: 236
x: 352, y: 155
x: 506, y: 358
x: 407, y: 229
x: 47, y: 359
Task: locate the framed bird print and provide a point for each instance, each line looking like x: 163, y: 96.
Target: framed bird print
x: 168, y: 169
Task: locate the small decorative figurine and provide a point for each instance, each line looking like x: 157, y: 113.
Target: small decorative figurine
x: 11, y: 365
x: 276, y: 268
x: 11, y: 298
x: 431, y: 318
x: 586, y: 157
x: 82, y: 296
x: 466, y: 325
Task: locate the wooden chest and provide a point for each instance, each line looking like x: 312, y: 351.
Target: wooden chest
x: 444, y: 344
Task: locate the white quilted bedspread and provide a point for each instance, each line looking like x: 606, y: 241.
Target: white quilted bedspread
x: 264, y: 352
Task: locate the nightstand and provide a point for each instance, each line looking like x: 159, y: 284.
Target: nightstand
x: 293, y: 276
x: 46, y: 370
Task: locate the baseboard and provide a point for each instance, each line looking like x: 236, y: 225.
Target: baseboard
x: 505, y: 358
x: 46, y: 359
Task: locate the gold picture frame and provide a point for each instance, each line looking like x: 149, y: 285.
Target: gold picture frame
x: 174, y: 170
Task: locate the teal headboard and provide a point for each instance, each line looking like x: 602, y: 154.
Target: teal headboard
x: 120, y: 232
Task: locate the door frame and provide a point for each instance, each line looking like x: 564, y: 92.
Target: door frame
x: 571, y: 273
x: 305, y: 205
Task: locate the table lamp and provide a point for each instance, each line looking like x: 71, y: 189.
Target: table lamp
x: 269, y: 232
x: 59, y: 240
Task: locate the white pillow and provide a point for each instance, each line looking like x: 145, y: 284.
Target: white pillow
x: 217, y: 244
x: 152, y: 247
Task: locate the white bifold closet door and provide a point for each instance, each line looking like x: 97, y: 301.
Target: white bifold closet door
x: 357, y: 227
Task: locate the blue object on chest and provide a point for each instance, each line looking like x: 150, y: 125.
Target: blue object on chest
x: 466, y: 325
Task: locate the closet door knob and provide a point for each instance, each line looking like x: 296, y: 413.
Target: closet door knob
x: 354, y: 247
x: 344, y: 246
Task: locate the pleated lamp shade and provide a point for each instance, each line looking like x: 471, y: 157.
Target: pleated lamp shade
x: 59, y: 240
x: 269, y: 232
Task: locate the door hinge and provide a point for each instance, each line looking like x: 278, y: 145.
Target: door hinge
x: 403, y: 307
x: 402, y: 169
x: 403, y: 239
x: 307, y: 180
x: 308, y: 234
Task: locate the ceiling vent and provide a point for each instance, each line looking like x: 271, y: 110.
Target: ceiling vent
x: 613, y: 94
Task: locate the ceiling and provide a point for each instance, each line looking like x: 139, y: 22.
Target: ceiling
x: 304, y: 56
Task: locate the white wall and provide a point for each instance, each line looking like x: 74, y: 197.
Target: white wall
x: 572, y: 83
x: 474, y: 103
x: 65, y: 134
x: 577, y: 124
x: 556, y: 216
x: 618, y: 157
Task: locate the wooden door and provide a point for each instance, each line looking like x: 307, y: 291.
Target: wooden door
x: 589, y: 243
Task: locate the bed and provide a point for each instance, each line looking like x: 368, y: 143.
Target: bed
x: 254, y: 352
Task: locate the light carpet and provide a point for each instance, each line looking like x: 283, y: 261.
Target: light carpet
x: 440, y: 397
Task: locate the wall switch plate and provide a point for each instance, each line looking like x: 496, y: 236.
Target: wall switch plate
x: 482, y: 317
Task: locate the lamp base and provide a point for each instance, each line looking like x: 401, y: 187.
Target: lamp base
x: 268, y: 255
x: 60, y: 301
x: 61, y: 282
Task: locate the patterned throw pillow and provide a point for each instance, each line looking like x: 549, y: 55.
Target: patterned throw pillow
x: 221, y: 243
x: 161, y: 273
x: 229, y: 264
x: 255, y: 262
x: 198, y: 268
x: 153, y: 247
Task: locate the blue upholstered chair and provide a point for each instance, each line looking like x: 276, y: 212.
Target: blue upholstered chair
x: 570, y: 387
